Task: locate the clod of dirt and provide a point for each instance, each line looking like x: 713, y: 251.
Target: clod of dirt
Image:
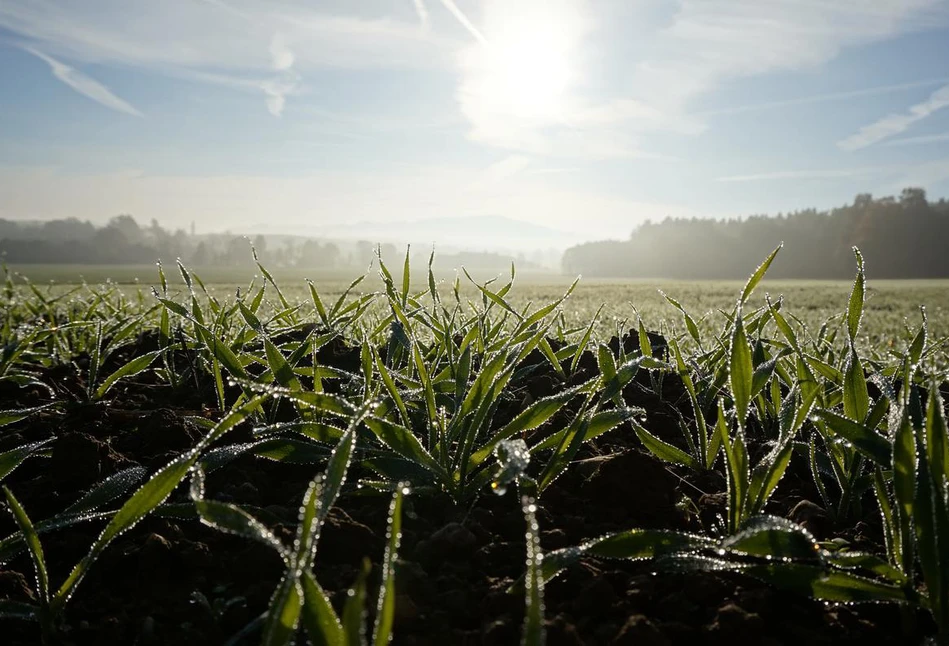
x: 159, y: 433
x: 14, y: 586
x: 155, y: 555
x: 636, y: 486
x: 406, y: 612
x: 79, y: 460
x: 733, y: 624
x: 630, y: 343
x: 346, y: 540
x: 810, y: 516
x: 453, y: 542
x: 500, y: 632
x: 595, y: 599
x: 542, y: 386
x: 639, y: 631
x: 561, y: 631
x: 712, y: 506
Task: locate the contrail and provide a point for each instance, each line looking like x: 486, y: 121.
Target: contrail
x: 463, y: 19
x: 85, y: 85
x: 822, y: 98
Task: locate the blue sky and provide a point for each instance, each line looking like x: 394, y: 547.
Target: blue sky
x: 584, y: 116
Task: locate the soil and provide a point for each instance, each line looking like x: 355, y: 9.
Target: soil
x: 171, y: 581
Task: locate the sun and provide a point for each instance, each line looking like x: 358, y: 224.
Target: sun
x: 523, y: 67
x: 531, y: 73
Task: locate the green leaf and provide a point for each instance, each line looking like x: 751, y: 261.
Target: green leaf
x: 645, y: 345
x: 635, y: 544
x: 757, y: 276
x: 533, y: 633
x: 222, y: 353
x: 597, y: 424
x: 15, y: 415
x: 231, y: 519
x: 865, y: 440
x: 766, y: 476
x: 741, y: 369
x: 532, y: 417
x: 827, y: 585
x: 282, y: 371
x: 319, y: 619
x: 251, y: 318
x: 931, y: 514
x: 107, y: 490
x: 585, y: 340
x: 33, y: 544
x: 284, y: 612
x: 135, y: 366
x: 354, y: 610
x: 292, y: 451
x: 664, y: 451
x: 857, y: 295
x: 624, y: 374
x: 385, y: 610
x: 774, y: 538
x: 689, y: 321
x: 318, y: 303
x: 856, y: 397
x: 736, y: 459
x: 401, y: 440
x: 15, y: 457
x: 406, y: 276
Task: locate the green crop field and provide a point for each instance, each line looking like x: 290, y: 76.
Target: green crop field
x: 423, y: 458
x: 891, y: 304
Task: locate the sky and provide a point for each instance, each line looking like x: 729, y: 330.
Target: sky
x: 583, y: 116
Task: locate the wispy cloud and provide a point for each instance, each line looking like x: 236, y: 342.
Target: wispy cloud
x: 800, y: 174
x: 709, y: 41
x: 286, y: 82
x: 896, y: 123
x: 221, y: 37
x: 922, y: 139
x: 823, y: 98
x: 220, y: 40
x: 422, y: 13
x: 85, y: 85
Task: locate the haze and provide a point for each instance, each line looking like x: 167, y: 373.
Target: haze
x: 581, y: 118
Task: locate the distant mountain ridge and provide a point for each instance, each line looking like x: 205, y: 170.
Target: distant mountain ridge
x: 472, y: 233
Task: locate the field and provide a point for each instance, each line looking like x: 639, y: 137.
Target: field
x: 503, y: 460
x: 890, y: 305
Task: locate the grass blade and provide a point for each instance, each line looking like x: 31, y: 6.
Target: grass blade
x: 385, y: 610
x: 136, y: 366
x: 33, y: 545
x: 533, y: 633
x: 318, y: 617
x: 741, y: 369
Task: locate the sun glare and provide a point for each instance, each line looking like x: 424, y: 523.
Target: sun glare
x: 524, y: 65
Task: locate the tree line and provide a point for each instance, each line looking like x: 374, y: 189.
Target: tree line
x: 122, y: 240
x: 901, y: 237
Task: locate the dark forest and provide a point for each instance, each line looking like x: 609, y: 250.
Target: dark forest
x: 901, y: 237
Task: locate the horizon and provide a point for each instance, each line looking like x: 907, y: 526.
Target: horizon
x: 586, y: 118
